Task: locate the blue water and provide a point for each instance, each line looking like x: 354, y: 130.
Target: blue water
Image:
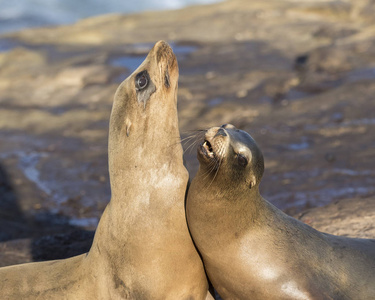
x: 7, y: 44
x: 132, y: 62
x: 20, y: 14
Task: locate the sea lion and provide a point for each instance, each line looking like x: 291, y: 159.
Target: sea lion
x: 251, y: 249
x: 142, y: 247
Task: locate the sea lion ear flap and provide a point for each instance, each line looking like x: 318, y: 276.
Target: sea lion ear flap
x: 252, y: 182
x: 128, y: 124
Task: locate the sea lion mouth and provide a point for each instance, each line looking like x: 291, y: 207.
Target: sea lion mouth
x: 206, y: 149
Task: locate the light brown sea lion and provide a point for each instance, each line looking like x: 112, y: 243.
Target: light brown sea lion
x: 251, y: 249
x: 142, y: 247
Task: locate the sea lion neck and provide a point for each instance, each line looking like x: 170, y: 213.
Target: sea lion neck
x: 224, y: 191
x: 211, y: 209
x: 144, y: 118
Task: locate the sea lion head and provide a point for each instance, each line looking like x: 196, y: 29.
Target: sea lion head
x: 144, y: 113
x: 228, y: 155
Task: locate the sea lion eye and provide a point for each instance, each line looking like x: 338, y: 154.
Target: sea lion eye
x: 242, y: 160
x: 141, y: 80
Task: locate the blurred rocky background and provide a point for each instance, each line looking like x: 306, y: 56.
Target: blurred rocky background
x: 299, y: 76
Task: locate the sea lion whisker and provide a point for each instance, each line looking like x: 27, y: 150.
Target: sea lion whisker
x: 180, y: 140
x: 206, y: 175
x: 192, y: 135
x: 199, y: 133
x: 210, y: 168
x: 194, y: 130
x: 191, y: 146
x: 207, y: 186
x: 218, y: 164
x: 208, y: 171
x: 187, y: 141
x: 191, y: 141
x: 188, y: 138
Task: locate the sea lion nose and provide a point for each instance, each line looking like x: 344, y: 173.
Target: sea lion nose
x: 228, y: 126
x: 221, y: 132
x: 164, y: 52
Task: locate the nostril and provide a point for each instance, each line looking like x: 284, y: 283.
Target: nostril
x: 167, y: 82
x: 221, y: 132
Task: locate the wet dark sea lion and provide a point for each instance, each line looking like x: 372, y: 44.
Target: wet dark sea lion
x: 142, y: 247
x: 251, y: 249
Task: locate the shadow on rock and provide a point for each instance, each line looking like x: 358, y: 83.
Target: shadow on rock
x: 62, y: 245
x: 13, y: 223
x: 44, y: 236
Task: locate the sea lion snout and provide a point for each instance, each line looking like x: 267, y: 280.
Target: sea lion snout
x: 212, y: 149
x: 162, y: 49
x: 166, y: 59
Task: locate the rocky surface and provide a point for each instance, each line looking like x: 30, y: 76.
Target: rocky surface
x: 346, y: 217
x: 299, y: 76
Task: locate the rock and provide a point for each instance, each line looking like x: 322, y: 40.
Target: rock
x: 347, y: 217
